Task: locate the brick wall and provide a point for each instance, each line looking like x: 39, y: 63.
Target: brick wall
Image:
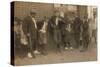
x: 22, y: 9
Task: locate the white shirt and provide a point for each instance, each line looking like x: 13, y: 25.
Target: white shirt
x: 69, y: 27
x: 93, y: 24
x: 33, y: 19
x: 43, y: 30
x: 57, y: 20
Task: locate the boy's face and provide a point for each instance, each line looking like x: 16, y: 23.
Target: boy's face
x: 15, y: 23
x: 57, y: 14
x: 16, y: 26
x: 33, y: 15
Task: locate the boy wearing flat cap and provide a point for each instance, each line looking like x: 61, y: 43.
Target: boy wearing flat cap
x: 30, y: 30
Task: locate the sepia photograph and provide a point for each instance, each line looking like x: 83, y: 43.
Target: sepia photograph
x: 50, y: 33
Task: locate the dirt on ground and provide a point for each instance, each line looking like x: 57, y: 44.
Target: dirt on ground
x: 65, y: 57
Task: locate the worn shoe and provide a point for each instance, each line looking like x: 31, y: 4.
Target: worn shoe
x: 36, y: 52
x: 66, y: 48
x: 29, y: 55
x: 71, y: 48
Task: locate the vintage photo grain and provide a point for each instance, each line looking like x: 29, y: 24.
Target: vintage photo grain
x: 48, y: 33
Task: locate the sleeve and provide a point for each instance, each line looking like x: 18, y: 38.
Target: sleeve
x: 25, y: 26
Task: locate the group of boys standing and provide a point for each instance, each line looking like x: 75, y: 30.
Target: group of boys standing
x: 61, y: 29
